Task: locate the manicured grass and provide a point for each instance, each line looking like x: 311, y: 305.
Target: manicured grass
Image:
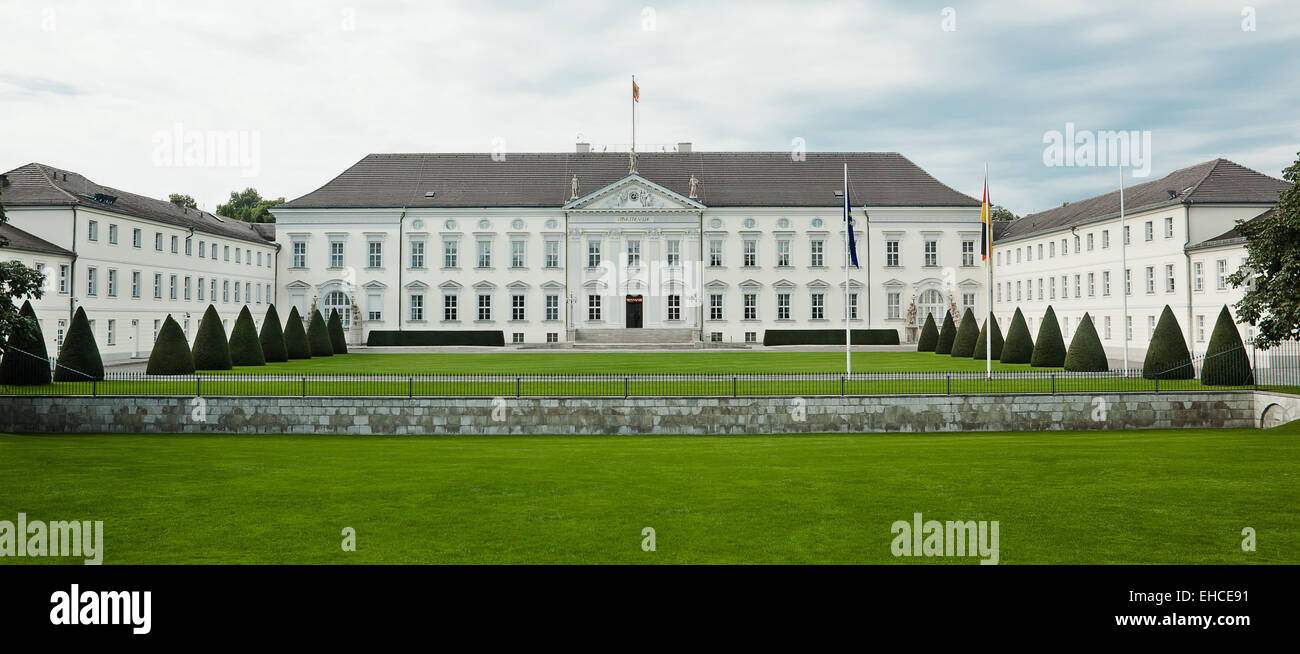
x: 1174, y: 496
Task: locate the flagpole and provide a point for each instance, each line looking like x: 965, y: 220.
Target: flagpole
x: 848, y: 335
x: 988, y: 267
x: 1123, y: 264
x: 634, y: 115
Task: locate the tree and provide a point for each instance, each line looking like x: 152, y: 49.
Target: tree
x: 171, y: 352
x: 963, y: 344
x: 79, y: 358
x: 211, y: 350
x: 1019, y: 347
x: 1226, y: 362
x: 25, y: 363
x: 985, y: 349
x: 1049, y: 347
x: 338, y: 339
x: 929, y: 338
x: 1271, y: 272
x: 272, y: 337
x: 249, y: 206
x: 1167, y: 355
x: 185, y: 199
x: 1086, y: 353
x: 16, y: 281
x: 318, y: 336
x: 245, y: 347
x: 946, y: 335
x: 295, y: 337
x: 1000, y: 213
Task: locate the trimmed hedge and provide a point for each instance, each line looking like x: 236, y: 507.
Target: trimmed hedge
x: 964, y: 343
x: 1049, y: 347
x: 946, y: 335
x: 1086, y: 353
x: 829, y: 337
x: 245, y: 344
x: 1019, y: 347
x: 272, y: 337
x: 318, y: 336
x: 79, y: 358
x: 337, y: 339
x: 929, y: 338
x: 1226, y: 361
x: 26, y: 362
x: 295, y: 337
x: 1167, y: 355
x: 488, y: 337
x: 171, y: 352
x: 982, y: 347
x: 211, y: 350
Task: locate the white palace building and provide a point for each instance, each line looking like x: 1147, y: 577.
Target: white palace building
x: 565, y: 248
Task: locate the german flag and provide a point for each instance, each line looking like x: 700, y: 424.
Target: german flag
x: 986, y: 222
x: 636, y: 92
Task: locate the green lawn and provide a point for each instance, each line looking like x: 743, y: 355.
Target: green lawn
x: 1176, y: 496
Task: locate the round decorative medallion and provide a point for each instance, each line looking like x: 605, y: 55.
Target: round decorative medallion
x: 517, y: 224
x: 450, y: 224
x: 749, y: 223
x: 817, y: 222
x: 485, y: 224
x: 418, y: 224
x: 783, y: 223
x: 715, y: 223
x: 552, y: 223
x: 635, y: 195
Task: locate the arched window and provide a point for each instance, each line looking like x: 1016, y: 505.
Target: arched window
x: 338, y: 301
x: 930, y: 304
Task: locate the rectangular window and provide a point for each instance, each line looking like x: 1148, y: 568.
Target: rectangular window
x: 1105, y: 283
x: 891, y: 254
x: 484, y: 307
x: 1149, y: 231
x: 782, y: 306
x: 416, y: 307
x: 137, y: 238
x: 238, y: 253
x: 374, y: 306
x: 1151, y: 279
x: 552, y: 307
x: 158, y: 241
x: 1020, y: 291
x: 135, y: 284
x: 999, y: 289
x: 1200, y: 329
x: 593, y: 307
x: 374, y: 254
x: 932, y: 254
x: 674, y: 307
x: 1151, y: 326
x: 715, y: 306
x: 1221, y: 274
x: 450, y: 253
x: 1169, y: 227
x: 189, y: 249
x: 1078, y: 286
x: 751, y: 306
x: 236, y: 290
x: 112, y: 332
x: 517, y: 307
x: 1105, y: 238
x: 417, y: 254
x: 1169, y: 278
x: 674, y: 252
x: 171, y: 289
x: 64, y: 271
x: 517, y: 259
x: 750, y: 250
x: 1051, y: 249
x: 1090, y: 241
x: 1128, y: 328
x: 203, y: 249
x: 212, y: 288
x: 892, y: 300
x: 968, y: 253
x: 112, y: 282
x: 817, y: 253
x: 853, y: 306
x: 92, y: 230
x: 1040, y: 250
x: 176, y: 245
x: 715, y: 253
x: 633, y: 252
x: 552, y: 337
x: 157, y: 286
x: 1051, y: 288
x: 817, y: 304
x: 1040, y: 288
x: 1128, y: 281
x: 517, y: 337
x: 1065, y: 250
x: 751, y: 337
x: 593, y: 254
x: 1106, y: 327
x: 336, y: 254
x: 200, y: 287
x: 484, y: 254
x: 552, y: 254
x: 214, y: 251
x: 782, y: 253
x: 92, y: 281
x: 450, y: 304
x: 225, y: 290
x: 1198, y: 276
x: 1092, y: 285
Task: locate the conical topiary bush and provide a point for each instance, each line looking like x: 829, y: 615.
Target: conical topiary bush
x: 245, y: 345
x: 985, y: 349
x: 1049, y: 347
x: 79, y: 358
x: 295, y: 336
x: 211, y: 349
x: 337, y: 339
x: 1226, y: 361
x: 963, y: 344
x: 1086, y: 353
x: 946, y: 335
x: 26, y: 362
x: 1019, y: 347
x: 272, y: 337
x: 318, y: 336
x: 171, y: 352
x: 929, y: 338
x: 1167, y: 355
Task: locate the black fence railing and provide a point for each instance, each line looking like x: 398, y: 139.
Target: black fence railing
x: 612, y: 385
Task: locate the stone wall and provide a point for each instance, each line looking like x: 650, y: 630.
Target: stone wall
x: 650, y: 415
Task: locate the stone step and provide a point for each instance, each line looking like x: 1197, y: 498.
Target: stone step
x: 634, y: 336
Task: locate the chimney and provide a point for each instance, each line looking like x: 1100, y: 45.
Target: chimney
x: 684, y: 147
x: 4, y: 181
x: 179, y: 203
x: 583, y: 148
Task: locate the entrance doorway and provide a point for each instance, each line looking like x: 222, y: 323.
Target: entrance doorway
x: 634, y: 304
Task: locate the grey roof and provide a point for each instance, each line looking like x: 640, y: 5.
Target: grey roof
x: 1230, y: 237
x: 37, y: 184
x: 1216, y: 181
x: 727, y: 179
x: 16, y: 239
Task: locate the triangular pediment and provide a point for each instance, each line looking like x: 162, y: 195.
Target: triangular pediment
x: 633, y: 193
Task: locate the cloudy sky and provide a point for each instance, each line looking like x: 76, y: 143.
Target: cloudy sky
x: 106, y: 87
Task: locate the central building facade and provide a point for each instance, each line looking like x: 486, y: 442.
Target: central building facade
x: 552, y: 247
